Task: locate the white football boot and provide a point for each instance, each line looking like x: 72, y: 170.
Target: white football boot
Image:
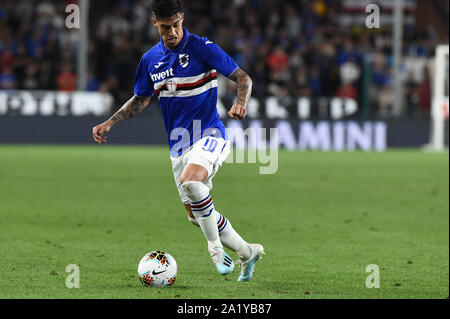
x: 223, y: 262
x: 248, y: 264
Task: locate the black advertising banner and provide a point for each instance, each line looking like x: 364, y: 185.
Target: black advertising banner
x: 343, y: 135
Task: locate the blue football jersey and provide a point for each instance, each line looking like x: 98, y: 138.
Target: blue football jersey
x: 185, y: 81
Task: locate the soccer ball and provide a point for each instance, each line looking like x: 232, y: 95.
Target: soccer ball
x: 157, y: 269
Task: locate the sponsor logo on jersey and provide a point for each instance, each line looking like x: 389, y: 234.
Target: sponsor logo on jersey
x: 162, y: 75
x: 158, y: 65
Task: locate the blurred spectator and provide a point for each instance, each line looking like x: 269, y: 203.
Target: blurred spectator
x: 66, y: 79
x: 92, y: 83
x: 425, y: 93
x: 385, y: 100
x: 8, y: 79
x: 350, y: 71
x: 302, y: 84
x: 347, y: 90
x: 278, y: 61
x: 382, y: 86
x: 349, y: 74
x: 31, y: 81
x: 411, y: 98
x: 293, y: 21
x: 7, y: 58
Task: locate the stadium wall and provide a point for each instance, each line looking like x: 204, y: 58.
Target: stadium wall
x: 346, y: 135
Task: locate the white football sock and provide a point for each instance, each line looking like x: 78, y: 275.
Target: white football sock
x: 228, y: 236
x: 202, y: 207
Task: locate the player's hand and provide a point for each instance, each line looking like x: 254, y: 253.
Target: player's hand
x: 237, y: 112
x: 100, y: 132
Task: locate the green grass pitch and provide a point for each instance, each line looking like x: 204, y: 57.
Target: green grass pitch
x: 322, y: 218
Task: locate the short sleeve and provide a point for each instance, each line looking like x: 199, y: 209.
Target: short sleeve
x: 143, y: 84
x: 216, y: 58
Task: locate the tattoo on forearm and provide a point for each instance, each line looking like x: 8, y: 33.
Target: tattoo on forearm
x: 244, y: 86
x: 131, y: 108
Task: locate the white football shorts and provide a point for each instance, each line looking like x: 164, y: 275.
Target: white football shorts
x: 209, y: 152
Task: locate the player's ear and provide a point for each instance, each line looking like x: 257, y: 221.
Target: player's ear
x: 154, y: 22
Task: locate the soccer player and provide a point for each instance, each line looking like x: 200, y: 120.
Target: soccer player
x: 181, y: 71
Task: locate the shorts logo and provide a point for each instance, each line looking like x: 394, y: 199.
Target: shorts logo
x: 184, y: 60
x: 171, y: 86
x: 210, y: 145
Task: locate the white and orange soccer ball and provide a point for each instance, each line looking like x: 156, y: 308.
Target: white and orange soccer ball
x: 157, y: 269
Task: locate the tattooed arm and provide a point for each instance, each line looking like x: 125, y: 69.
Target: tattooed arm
x: 244, y: 91
x: 130, y: 109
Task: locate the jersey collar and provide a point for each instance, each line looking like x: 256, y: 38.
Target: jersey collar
x: 179, y: 47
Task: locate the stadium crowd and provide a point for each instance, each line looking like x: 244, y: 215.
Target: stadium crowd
x: 290, y: 48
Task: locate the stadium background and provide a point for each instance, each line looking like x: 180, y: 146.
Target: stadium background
x: 310, y: 60
x: 320, y: 75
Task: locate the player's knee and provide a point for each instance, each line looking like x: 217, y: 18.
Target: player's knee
x: 188, y: 178
x: 194, y: 173
x: 194, y: 188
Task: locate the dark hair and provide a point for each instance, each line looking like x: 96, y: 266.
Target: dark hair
x: 165, y: 8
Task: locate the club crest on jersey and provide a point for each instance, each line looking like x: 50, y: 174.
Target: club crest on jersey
x: 171, y: 86
x: 184, y: 60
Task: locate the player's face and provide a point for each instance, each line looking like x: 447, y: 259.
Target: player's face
x: 170, y: 30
